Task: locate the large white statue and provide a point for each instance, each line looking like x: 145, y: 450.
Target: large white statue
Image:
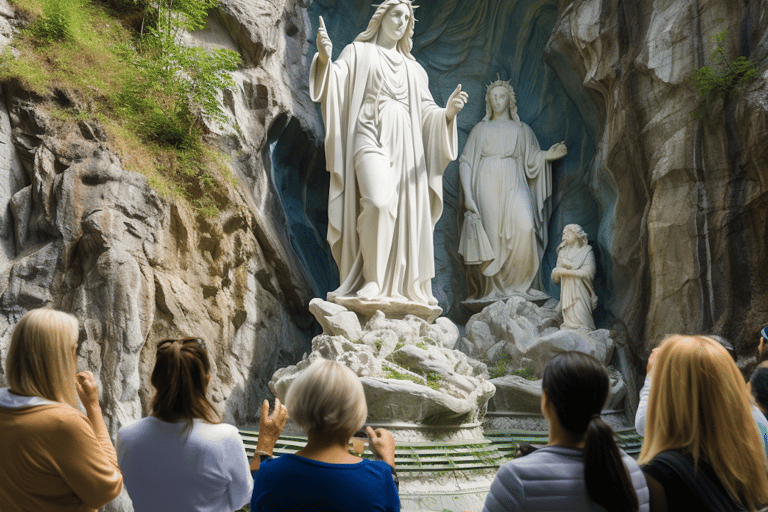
x: 386, y: 144
x: 507, y: 179
x: 575, y: 271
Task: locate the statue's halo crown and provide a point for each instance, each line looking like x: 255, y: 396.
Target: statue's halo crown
x: 502, y: 83
x: 414, y: 7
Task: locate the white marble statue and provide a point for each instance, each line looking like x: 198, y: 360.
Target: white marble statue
x: 386, y: 144
x: 507, y: 180
x: 575, y: 271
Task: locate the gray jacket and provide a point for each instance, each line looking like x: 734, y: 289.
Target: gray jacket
x: 551, y: 479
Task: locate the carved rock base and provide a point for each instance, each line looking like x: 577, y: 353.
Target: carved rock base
x: 408, y: 367
x: 395, y: 309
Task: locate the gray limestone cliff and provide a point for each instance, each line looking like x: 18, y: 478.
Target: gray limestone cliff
x: 80, y: 233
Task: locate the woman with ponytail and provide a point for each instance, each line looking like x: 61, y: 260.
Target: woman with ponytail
x: 581, y: 468
x: 181, y: 457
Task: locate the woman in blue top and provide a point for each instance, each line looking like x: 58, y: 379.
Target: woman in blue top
x: 327, y: 401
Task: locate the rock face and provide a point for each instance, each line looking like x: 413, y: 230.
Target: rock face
x: 80, y: 233
x: 514, y: 393
x: 409, y: 371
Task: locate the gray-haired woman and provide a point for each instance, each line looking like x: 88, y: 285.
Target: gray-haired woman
x: 328, y: 402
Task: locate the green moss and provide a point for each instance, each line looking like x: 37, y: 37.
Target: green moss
x: 500, y: 370
x: 433, y: 380
x: 525, y: 373
x: 394, y: 374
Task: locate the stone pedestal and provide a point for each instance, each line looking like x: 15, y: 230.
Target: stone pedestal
x: 431, y: 397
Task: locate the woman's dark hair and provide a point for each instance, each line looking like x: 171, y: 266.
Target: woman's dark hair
x: 577, y: 386
x: 179, y: 379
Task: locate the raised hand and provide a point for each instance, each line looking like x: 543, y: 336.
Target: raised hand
x: 271, y: 425
x: 455, y: 103
x: 557, y: 151
x: 324, y: 44
x: 87, y: 390
x: 383, y: 444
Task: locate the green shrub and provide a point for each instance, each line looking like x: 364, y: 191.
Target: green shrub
x: 723, y: 78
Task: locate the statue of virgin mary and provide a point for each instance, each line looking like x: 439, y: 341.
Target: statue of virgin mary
x: 507, y: 181
x: 386, y: 145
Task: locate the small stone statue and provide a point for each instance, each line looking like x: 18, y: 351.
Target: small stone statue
x: 387, y: 144
x: 506, y: 179
x: 575, y: 271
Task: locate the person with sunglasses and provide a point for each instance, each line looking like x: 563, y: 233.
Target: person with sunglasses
x: 182, y: 457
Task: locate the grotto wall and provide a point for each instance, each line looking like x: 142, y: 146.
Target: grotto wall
x: 685, y: 222
x: 674, y: 207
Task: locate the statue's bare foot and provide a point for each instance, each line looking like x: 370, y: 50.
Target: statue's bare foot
x: 369, y: 291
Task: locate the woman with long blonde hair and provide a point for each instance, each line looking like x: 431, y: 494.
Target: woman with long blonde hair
x: 54, y: 457
x: 702, y: 450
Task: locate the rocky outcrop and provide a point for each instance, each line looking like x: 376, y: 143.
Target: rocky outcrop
x: 519, y: 334
x: 410, y: 373
x: 80, y: 233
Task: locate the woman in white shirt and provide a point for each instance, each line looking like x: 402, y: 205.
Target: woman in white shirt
x: 181, y: 457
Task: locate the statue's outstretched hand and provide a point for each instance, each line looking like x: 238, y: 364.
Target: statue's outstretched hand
x: 557, y: 151
x: 455, y: 103
x: 324, y: 44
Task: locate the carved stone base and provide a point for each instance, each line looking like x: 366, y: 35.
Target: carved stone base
x: 391, y: 308
x: 535, y: 296
x: 509, y: 421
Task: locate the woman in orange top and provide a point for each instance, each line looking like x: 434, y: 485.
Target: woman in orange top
x: 54, y: 457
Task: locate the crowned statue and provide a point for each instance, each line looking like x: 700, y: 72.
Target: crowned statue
x: 386, y: 144
x: 506, y: 180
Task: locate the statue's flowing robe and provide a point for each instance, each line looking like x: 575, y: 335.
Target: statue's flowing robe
x: 418, y: 143
x: 511, y: 183
x: 577, y: 295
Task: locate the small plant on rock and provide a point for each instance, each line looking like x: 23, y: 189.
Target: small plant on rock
x: 525, y: 373
x: 723, y: 78
x: 500, y: 370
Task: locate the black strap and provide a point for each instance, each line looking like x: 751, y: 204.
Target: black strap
x: 708, y: 489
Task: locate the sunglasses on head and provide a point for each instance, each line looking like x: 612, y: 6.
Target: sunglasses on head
x: 182, y: 340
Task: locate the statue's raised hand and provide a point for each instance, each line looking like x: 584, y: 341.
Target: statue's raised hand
x: 455, y: 103
x: 324, y: 44
x: 557, y: 151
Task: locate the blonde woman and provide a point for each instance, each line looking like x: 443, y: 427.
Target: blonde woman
x: 702, y: 450
x: 328, y: 402
x: 54, y: 458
